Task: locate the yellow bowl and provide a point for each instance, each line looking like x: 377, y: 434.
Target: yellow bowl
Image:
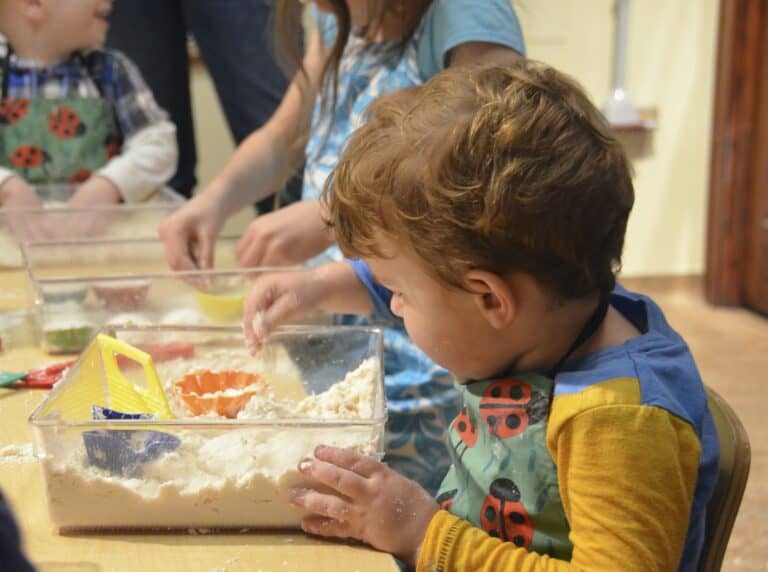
x: 227, y: 307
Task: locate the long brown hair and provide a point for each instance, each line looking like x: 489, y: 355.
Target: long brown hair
x: 290, y: 48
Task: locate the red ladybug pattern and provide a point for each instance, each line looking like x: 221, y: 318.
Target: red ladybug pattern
x: 112, y: 146
x: 13, y: 110
x: 509, y: 406
x: 445, y: 500
x: 80, y: 176
x: 465, y: 429
x: 504, y: 516
x: 65, y: 123
x: 28, y: 156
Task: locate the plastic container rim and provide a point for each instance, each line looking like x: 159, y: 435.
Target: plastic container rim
x: 297, y: 422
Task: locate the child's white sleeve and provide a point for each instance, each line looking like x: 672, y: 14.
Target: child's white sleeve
x: 5, y: 174
x: 147, y: 161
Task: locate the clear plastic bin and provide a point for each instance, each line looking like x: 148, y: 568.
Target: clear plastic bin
x: 320, y: 385
x: 56, y: 222
x: 80, y: 286
x: 61, y: 193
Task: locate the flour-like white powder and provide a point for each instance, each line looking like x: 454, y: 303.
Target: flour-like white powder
x: 17, y: 454
x: 223, y: 474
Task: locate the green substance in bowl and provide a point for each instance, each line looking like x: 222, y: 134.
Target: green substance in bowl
x: 56, y: 295
x: 68, y: 340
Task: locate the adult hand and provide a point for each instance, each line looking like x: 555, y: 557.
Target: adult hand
x: 277, y: 298
x: 284, y: 237
x: 367, y: 501
x: 190, y: 232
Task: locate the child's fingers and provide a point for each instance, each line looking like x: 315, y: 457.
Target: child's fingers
x: 262, y: 296
x: 323, y: 526
x: 178, y: 252
x: 344, y: 481
x: 321, y: 504
x: 205, y: 251
x: 363, y: 465
x: 249, y: 250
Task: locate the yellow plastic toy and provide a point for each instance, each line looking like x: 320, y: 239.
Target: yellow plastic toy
x: 125, y: 395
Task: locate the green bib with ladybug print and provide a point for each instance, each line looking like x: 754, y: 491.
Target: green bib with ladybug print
x: 503, y: 479
x: 61, y: 140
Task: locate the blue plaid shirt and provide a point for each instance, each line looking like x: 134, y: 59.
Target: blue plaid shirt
x: 97, y: 73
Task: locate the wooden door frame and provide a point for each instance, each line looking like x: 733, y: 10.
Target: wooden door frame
x: 742, y: 57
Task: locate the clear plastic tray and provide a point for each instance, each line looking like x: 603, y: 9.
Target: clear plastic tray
x: 80, y: 286
x: 56, y: 222
x: 206, y: 471
x: 61, y: 193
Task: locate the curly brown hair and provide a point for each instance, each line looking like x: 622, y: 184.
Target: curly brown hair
x: 505, y: 169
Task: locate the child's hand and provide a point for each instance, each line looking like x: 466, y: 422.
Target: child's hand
x: 95, y: 191
x: 277, y: 298
x: 15, y: 193
x: 369, y: 502
x: 189, y: 233
x: 286, y: 236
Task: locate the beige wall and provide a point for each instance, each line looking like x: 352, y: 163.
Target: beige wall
x: 671, y: 61
x: 670, y: 67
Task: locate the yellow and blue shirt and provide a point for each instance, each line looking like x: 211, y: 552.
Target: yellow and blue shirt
x: 614, y: 475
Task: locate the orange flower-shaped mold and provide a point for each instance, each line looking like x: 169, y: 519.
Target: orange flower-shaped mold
x: 223, y: 392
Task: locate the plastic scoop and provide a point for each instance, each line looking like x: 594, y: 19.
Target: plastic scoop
x: 124, y: 394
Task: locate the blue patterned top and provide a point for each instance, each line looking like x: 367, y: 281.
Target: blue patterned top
x: 421, y: 397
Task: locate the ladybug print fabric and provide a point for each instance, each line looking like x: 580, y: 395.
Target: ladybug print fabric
x: 503, y: 479
x: 504, y: 516
x: 65, y: 123
x: 57, y: 140
x: 13, y: 110
x: 509, y: 405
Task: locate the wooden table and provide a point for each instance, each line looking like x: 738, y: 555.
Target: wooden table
x: 21, y: 481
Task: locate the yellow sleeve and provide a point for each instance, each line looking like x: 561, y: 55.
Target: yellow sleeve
x: 627, y: 475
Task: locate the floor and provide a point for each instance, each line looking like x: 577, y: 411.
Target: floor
x: 731, y: 349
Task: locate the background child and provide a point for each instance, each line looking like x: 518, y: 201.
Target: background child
x: 74, y: 113
x: 492, y: 204
x: 364, y: 49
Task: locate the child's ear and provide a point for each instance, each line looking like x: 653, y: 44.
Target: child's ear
x: 493, y: 296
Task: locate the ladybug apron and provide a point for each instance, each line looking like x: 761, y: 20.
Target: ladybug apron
x: 61, y: 140
x: 503, y: 479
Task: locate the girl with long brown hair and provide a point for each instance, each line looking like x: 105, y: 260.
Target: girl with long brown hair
x: 359, y: 49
